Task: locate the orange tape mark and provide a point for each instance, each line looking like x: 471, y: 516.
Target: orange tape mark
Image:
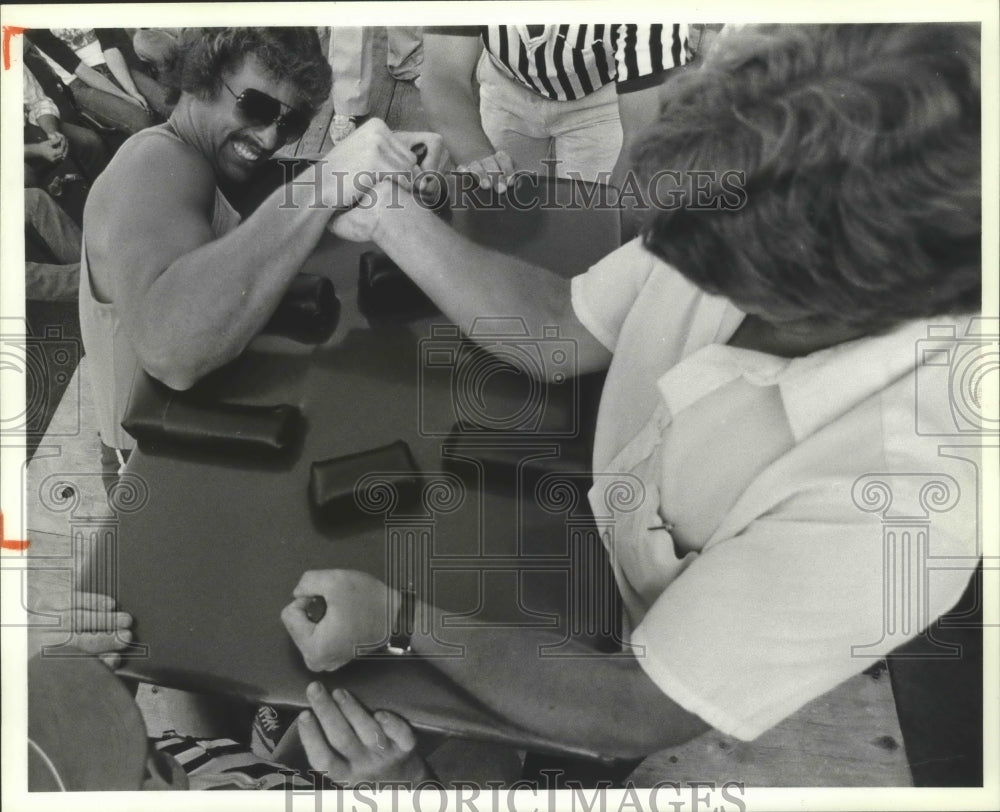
x: 8, y: 32
x: 11, y: 544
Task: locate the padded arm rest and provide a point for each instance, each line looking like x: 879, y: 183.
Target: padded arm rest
x: 309, y: 311
x: 341, y: 488
x: 157, y: 413
x: 386, y: 293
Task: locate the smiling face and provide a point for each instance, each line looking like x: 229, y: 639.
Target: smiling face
x: 234, y: 145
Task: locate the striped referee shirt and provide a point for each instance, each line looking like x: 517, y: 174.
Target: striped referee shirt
x: 566, y: 62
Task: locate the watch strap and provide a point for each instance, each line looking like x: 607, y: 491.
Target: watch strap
x: 402, y: 628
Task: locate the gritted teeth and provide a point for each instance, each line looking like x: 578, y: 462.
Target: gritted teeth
x: 247, y: 152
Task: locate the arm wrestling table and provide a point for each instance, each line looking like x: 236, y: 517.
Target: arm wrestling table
x: 205, y: 551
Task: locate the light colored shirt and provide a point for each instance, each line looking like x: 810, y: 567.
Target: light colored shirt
x: 36, y: 103
x: 752, y: 560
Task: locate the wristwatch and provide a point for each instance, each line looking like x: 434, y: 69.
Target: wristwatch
x: 402, y: 627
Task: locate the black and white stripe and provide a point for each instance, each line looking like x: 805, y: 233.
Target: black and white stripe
x: 573, y: 61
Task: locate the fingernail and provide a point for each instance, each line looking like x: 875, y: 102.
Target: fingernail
x: 314, y: 689
x: 125, y: 635
x: 380, y: 716
x: 124, y: 620
x: 340, y: 694
x: 305, y: 717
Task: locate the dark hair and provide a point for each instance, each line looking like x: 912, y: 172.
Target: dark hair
x: 860, y: 146
x: 288, y: 54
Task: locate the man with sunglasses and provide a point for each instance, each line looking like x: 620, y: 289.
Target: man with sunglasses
x: 172, y: 280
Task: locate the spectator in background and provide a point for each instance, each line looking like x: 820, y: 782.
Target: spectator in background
x: 91, y: 63
x: 350, y: 57
x: 575, y: 93
x: 155, y: 47
x: 48, y: 140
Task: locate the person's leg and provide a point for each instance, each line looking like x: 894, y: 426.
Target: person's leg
x: 405, y: 55
x: 32, y: 174
x: 509, y: 115
x: 87, y: 148
x: 110, y: 111
x: 51, y: 283
x: 35, y: 169
x: 350, y: 57
x: 55, y: 228
x: 588, y: 135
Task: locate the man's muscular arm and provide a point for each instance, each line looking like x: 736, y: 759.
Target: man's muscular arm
x: 191, y: 302
x: 467, y: 280
x: 601, y: 702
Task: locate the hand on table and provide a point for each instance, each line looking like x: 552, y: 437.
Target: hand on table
x: 357, y: 610
x: 87, y: 621
x: 351, y: 745
x: 496, y: 170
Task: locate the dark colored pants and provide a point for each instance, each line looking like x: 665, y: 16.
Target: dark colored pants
x: 56, y: 277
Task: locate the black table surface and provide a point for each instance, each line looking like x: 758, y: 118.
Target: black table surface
x: 208, y: 548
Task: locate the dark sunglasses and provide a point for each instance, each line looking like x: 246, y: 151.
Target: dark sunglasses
x: 261, y: 110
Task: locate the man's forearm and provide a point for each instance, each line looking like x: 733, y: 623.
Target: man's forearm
x: 468, y: 281
x: 49, y: 123
x: 602, y: 702
x: 451, y: 108
x: 99, y: 81
x: 120, y: 70
x: 240, y: 279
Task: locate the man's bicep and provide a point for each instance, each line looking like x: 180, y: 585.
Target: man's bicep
x: 153, y: 222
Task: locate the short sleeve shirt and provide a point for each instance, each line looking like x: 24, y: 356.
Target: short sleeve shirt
x: 771, y: 493
x: 568, y: 62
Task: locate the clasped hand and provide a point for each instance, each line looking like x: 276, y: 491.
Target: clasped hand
x: 358, y: 609
x: 373, y: 154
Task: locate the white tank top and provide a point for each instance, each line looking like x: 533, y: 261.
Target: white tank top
x: 111, y: 362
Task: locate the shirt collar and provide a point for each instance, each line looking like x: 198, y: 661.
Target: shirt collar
x: 533, y: 43
x: 815, y: 389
